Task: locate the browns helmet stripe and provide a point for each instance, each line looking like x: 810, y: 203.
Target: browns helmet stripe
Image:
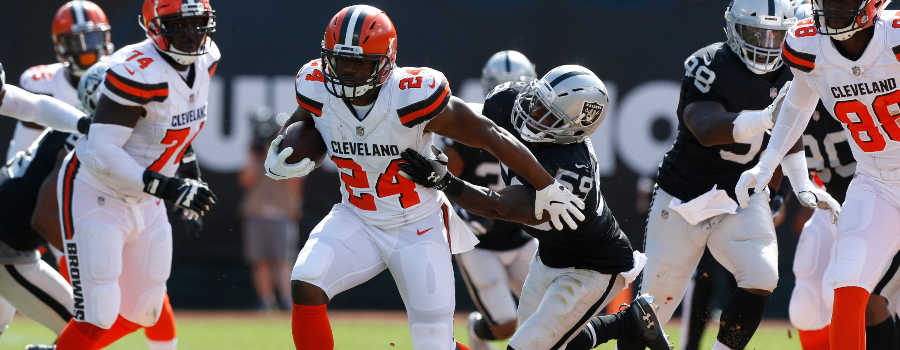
x: 135, y: 92
x: 801, y: 61
x: 352, y: 24
x: 346, y: 22
x: 427, y: 109
x: 79, y: 14
x: 568, y: 75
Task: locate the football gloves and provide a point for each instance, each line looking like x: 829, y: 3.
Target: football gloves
x: 276, y: 163
x: 812, y: 197
x: 184, y: 193
x: 431, y: 173
x: 560, y: 203
x: 193, y: 223
x: 757, y: 178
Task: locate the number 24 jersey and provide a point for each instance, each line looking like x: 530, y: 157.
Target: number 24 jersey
x: 366, y: 149
x: 861, y: 94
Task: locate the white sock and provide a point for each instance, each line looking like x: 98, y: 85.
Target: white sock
x: 163, y: 345
x: 719, y: 346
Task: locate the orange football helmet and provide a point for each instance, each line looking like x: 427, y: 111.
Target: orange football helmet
x: 858, y: 19
x: 81, y: 35
x: 359, y: 32
x: 179, y: 28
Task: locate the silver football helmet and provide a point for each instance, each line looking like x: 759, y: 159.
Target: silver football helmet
x: 89, y: 87
x: 565, y: 106
x: 803, y: 10
x: 506, y: 66
x: 756, y: 29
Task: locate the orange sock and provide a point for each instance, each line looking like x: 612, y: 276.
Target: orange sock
x: 311, y: 328
x: 165, y: 328
x: 814, y: 340
x: 79, y: 336
x: 848, y: 322
x: 121, y: 328
x: 64, y: 268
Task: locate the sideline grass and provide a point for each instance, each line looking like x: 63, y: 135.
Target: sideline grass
x: 353, y: 331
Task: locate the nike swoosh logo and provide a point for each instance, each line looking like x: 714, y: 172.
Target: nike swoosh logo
x: 433, y: 81
x: 129, y: 71
x: 706, y: 59
x: 556, y: 202
x: 422, y: 232
x: 157, y: 201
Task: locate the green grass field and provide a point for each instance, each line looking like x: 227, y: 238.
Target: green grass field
x: 352, y: 331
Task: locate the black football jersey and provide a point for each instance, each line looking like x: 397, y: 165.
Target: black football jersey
x: 828, y: 153
x: 483, y: 169
x: 715, y: 73
x: 20, y: 181
x: 598, y: 243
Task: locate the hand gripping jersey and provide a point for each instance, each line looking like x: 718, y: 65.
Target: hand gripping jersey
x: 598, y: 244
x: 367, y: 148
x: 715, y: 73
x: 51, y: 81
x: 828, y: 152
x: 20, y: 182
x: 175, y: 107
x: 862, y: 94
x: 483, y: 169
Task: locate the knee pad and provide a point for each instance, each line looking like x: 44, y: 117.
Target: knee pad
x: 427, y: 277
x: 148, y: 308
x: 807, y: 311
x: 312, y: 262
x: 105, y: 299
x: 850, y: 256
x: 430, y: 336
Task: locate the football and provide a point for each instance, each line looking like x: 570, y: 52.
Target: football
x: 306, y: 141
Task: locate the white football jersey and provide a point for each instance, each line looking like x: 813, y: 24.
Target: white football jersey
x: 52, y: 81
x: 861, y: 94
x: 176, y: 109
x: 367, y: 151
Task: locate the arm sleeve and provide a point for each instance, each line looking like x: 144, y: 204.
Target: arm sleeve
x: 798, y: 107
x: 104, y: 155
x: 40, y: 109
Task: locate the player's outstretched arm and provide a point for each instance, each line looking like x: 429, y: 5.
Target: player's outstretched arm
x: 459, y: 122
x: 510, y: 203
x: 712, y: 125
x: 43, y: 110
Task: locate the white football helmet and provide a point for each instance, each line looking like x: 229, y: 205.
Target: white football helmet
x: 756, y: 29
x: 565, y: 106
x: 89, y: 87
x: 504, y: 67
x: 857, y: 19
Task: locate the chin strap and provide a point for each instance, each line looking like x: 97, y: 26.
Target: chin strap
x: 179, y: 57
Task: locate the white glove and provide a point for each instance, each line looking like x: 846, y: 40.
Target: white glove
x: 813, y: 197
x: 756, y: 178
x: 559, y: 202
x: 276, y: 166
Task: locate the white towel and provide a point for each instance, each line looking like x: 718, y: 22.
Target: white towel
x: 639, y: 261
x: 705, y: 206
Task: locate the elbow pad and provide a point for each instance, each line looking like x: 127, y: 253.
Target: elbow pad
x: 104, y: 155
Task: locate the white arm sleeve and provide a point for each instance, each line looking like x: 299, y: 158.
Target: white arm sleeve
x: 44, y: 110
x: 104, y: 155
x: 798, y: 107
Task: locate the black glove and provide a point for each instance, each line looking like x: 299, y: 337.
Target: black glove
x: 431, y: 173
x: 193, y: 223
x: 84, y: 124
x: 185, y: 193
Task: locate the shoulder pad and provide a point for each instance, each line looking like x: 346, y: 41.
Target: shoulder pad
x: 214, y: 57
x: 498, y: 103
x: 801, y: 45
x: 419, y: 93
x: 889, y: 22
x: 134, y: 78
x: 310, y: 87
x: 37, y: 79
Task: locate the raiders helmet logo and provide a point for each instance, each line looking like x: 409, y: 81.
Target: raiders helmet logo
x: 590, y: 112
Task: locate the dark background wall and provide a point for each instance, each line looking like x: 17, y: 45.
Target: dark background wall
x: 637, y: 47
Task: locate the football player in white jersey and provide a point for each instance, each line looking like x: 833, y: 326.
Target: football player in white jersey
x: 116, y: 235
x: 846, y: 55
x: 81, y: 37
x: 368, y: 110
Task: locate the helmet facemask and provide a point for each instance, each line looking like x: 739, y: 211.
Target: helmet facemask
x: 842, y: 24
x: 352, y: 88
x: 185, y: 33
x: 756, y: 30
x: 81, y: 49
x: 760, y: 48
x: 543, y: 121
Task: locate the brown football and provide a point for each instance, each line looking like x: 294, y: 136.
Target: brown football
x: 306, y: 141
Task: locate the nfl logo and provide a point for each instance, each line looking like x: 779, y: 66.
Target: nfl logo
x: 773, y: 92
x: 101, y: 200
x: 856, y: 71
x: 815, y: 116
x: 664, y: 215
x: 590, y: 112
x: 360, y: 131
x: 192, y: 98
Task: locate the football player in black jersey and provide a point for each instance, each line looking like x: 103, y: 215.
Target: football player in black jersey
x: 730, y: 93
x: 495, y: 269
x: 576, y: 272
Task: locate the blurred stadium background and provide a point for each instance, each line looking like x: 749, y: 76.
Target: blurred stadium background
x: 636, y: 47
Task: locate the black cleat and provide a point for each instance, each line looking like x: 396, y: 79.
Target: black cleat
x: 651, y: 334
x: 40, y: 347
